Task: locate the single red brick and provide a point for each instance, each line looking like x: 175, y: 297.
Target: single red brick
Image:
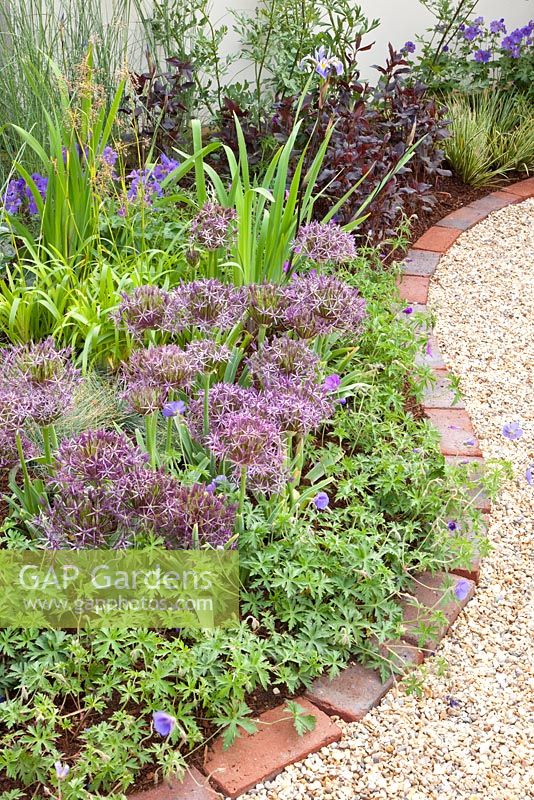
x: 462, y: 218
x: 431, y: 355
x: 262, y: 755
x: 493, y: 201
x: 351, y: 694
x: 430, y: 593
x: 193, y: 787
x: 441, y: 395
x: 420, y: 262
x: 457, y: 435
x: 438, y: 240
x: 414, y: 289
x: 475, y: 472
x: 522, y: 188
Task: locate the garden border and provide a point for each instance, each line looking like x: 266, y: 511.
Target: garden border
x: 259, y: 757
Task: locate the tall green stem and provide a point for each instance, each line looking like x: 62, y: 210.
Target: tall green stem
x: 151, y: 424
x: 242, y: 496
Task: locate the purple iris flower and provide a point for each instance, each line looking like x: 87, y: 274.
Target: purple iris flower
x: 332, y: 382
x: 173, y: 408
x: 321, y: 501
x: 164, y: 723
x: 461, y: 590
x: 512, y: 430
x: 483, y: 56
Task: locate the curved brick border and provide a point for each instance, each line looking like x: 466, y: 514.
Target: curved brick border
x: 260, y: 756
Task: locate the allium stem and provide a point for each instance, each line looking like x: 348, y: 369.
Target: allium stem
x: 151, y: 424
x: 212, y: 264
x: 299, y: 460
x: 242, y: 496
x: 49, y: 442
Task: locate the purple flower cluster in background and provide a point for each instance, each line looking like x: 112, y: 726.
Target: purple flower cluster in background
x: 206, y: 305
x: 143, y: 309
x: 520, y: 37
x: 322, y: 304
x: 19, y: 198
x: 105, y: 496
x: 324, y: 243
x: 473, y: 31
x: 212, y: 226
x: 145, y: 184
x: 482, y: 56
x: 283, y: 358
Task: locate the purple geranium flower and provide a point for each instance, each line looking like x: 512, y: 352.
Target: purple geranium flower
x: 62, y: 770
x: 497, y: 26
x: 409, y: 47
x: 332, y: 383
x: 512, y: 430
x: 452, y: 525
x: 529, y: 475
x: 407, y: 310
x: 173, y: 408
x: 461, y: 590
x: 164, y: 723
x: 321, y: 501
x: 482, y: 56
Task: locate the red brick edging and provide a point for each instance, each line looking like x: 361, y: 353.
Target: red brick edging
x: 257, y: 757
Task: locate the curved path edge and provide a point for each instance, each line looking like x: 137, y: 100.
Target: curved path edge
x: 259, y: 757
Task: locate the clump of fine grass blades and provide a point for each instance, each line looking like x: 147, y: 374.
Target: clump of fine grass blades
x: 492, y: 134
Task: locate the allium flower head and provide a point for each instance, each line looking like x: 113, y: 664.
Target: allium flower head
x: 324, y: 243
x: 43, y: 378
x: 212, y: 228
x: 142, y: 309
x: 206, y: 305
x: 96, y: 458
x: 283, y: 358
x: 164, y: 723
x: 201, y: 516
x: 265, y: 303
x: 9, y: 454
x: 322, y: 62
x: 248, y: 440
x: 166, y: 366
x: 205, y: 355
x: 224, y: 398
x: 298, y: 407
x: 143, y: 397
x: 322, y: 304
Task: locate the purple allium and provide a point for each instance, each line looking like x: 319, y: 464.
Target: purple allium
x: 512, y: 430
x: 164, y: 723
x: 206, y: 304
x: 248, y: 440
x: 62, y: 770
x: 212, y: 227
x: 452, y: 525
x: 497, y: 26
x: 97, y: 458
x: 461, y: 590
x: 83, y: 518
x: 9, y: 455
x: 332, y: 383
x: 173, y: 409
x: 281, y: 358
x: 166, y: 366
x: 482, y: 56
x: 322, y: 63
x: 205, y: 355
x: 266, y: 304
x: 529, y: 475
x: 324, y: 243
x: 143, y: 397
x: 44, y: 379
x: 322, y: 304
x: 224, y: 398
x: 321, y: 501
x: 409, y: 47
x: 298, y: 407
x: 201, y: 515
x: 143, y: 309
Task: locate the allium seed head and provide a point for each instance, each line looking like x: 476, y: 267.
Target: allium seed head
x: 207, y: 305
x: 324, y: 243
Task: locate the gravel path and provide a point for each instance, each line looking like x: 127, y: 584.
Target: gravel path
x: 471, y: 734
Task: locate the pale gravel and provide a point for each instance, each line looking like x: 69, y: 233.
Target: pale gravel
x: 422, y: 748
